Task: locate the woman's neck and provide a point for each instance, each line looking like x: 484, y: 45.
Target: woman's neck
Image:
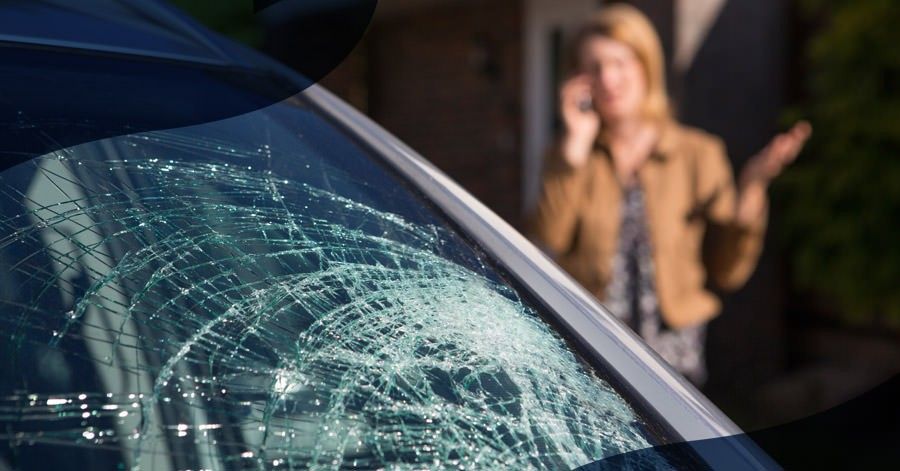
x: 627, y: 130
x: 630, y: 142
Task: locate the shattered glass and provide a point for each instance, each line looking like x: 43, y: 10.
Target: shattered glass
x: 261, y: 292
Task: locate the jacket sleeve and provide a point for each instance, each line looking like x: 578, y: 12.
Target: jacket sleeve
x: 553, y: 222
x: 731, y: 250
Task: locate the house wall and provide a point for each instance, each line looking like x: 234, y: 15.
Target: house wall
x: 447, y: 81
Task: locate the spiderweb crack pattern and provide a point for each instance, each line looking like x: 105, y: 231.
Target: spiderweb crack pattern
x: 253, y: 320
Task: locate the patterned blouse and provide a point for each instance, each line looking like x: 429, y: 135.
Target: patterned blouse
x: 631, y: 294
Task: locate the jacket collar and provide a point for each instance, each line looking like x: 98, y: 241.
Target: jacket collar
x: 665, y: 147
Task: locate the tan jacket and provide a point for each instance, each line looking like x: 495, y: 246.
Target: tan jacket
x: 689, y: 193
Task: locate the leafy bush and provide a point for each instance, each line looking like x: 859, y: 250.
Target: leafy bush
x: 841, y: 200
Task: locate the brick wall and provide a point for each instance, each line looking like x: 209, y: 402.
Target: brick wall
x: 446, y: 80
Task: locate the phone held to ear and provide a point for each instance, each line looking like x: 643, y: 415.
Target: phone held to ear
x: 585, y: 105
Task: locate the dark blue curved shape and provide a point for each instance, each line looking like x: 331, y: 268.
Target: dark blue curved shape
x: 73, y: 72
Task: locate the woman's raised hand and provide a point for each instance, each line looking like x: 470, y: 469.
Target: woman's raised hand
x: 581, y: 121
x: 765, y: 166
x: 781, y: 151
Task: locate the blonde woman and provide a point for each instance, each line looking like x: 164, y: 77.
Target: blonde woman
x: 629, y: 194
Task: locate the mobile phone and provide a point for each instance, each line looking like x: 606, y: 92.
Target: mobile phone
x: 585, y: 104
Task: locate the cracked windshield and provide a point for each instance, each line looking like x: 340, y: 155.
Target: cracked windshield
x: 260, y: 292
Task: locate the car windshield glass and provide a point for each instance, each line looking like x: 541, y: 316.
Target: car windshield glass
x: 263, y: 291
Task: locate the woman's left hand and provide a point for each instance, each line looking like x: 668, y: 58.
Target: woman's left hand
x: 765, y: 166
x: 781, y: 151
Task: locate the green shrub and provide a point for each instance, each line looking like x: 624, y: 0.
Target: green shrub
x: 841, y: 200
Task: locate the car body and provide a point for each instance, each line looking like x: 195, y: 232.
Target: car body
x: 284, y: 284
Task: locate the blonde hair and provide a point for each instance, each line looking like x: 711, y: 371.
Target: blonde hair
x: 626, y: 24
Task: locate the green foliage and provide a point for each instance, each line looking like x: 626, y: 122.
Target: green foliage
x: 841, y: 199
x: 232, y: 18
